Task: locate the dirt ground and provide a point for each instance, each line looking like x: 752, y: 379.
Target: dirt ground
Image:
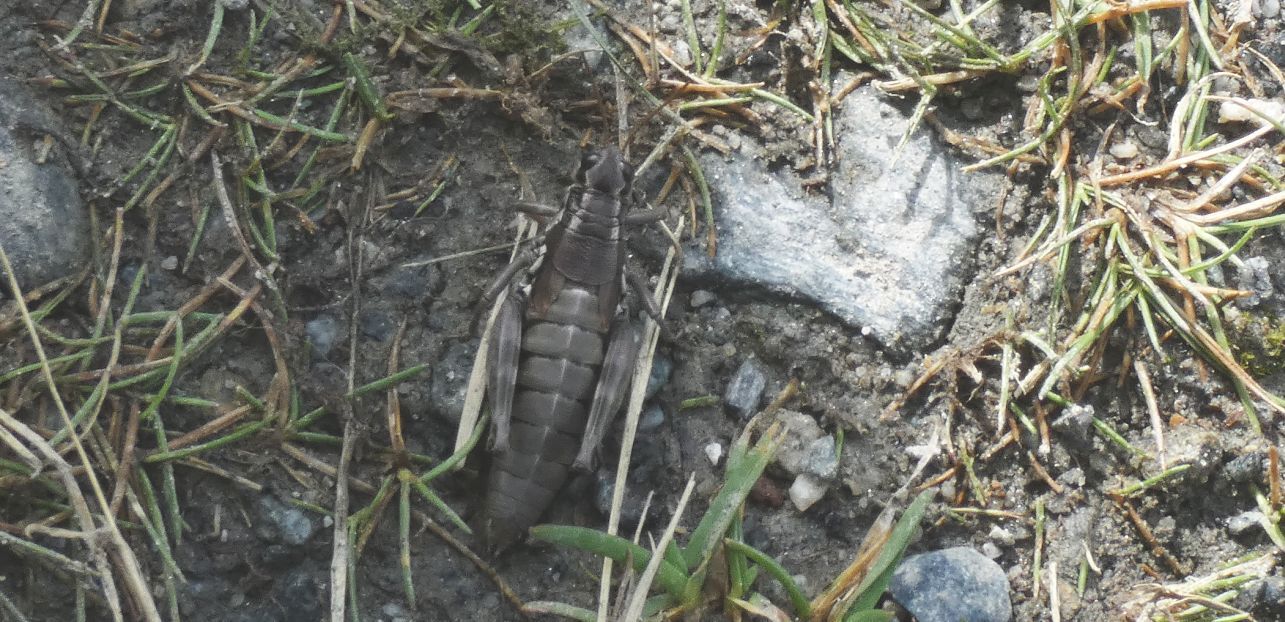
x: 258, y: 534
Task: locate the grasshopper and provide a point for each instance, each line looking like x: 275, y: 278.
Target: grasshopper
x: 562, y: 348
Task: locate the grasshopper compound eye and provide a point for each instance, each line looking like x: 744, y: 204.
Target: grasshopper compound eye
x: 587, y: 161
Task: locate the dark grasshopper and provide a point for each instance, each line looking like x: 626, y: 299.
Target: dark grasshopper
x: 562, y: 348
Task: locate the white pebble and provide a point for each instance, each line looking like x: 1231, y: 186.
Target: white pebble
x: 1236, y: 110
x: 990, y: 550
x: 714, y: 452
x: 1001, y: 535
x: 1124, y: 151
x: 169, y: 263
x: 806, y: 490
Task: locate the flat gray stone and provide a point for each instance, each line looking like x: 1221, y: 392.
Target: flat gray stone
x: 952, y: 585
x: 889, y: 253
x: 43, y: 224
x: 745, y: 389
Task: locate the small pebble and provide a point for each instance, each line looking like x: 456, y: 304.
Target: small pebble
x: 952, y: 585
x: 700, y: 298
x: 651, y: 418
x: 820, y: 459
x: 292, y: 525
x: 1251, y: 467
x: 322, y: 333
x: 1264, y: 598
x: 1075, y: 422
x: 1232, y: 112
x: 1243, y: 522
x: 1073, y: 477
x: 169, y: 263
x: 806, y: 490
x: 630, y: 507
x: 1001, y: 535
x: 1124, y: 151
x: 990, y: 550
x: 395, y: 610
x: 1269, y: 9
x: 714, y: 452
x: 682, y: 53
x: 1255, y: 276
x: 745, y: 389
x: 661, y: 369
x: 801, y: 430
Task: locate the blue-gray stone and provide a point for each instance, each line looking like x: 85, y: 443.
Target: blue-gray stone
x: 1250, y: 467
x: 701, y: 298
x: 285, y: 522
x: 322, y: 334
x: 888, y: 250
x: 952, y: 585
x: 746, y: 389
x: 1255, y: 276
x: 44, y: 227
x: 661, y: 368
x: 652, y: 417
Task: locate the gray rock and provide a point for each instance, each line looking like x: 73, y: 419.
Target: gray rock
x: 1075, y: 422
x: 1265, y: 598
x: 631, y: 506
x: 322, y: 333
x: 652, y: 417
x: 746, y: 388
x: 701, y: 298
x: 1255, y: 276
x: 820, y: 459
x: 1245, y: 521
x: 952, y: 585
x: 800, y: 432
x: 1251, y: 467
x: 661, y: 369
x: 889, y: 252
x: 284, y: 522
x: 44, y: 227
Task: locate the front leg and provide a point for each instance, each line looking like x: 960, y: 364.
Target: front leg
x: 502, y: 367
x: 542, y: 213
x: 613, y: 381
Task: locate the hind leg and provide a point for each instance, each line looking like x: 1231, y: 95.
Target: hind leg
x: 502, y: 367
x: 613, y: 382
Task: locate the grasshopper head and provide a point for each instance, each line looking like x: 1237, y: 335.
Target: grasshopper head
x: 605, y: 171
